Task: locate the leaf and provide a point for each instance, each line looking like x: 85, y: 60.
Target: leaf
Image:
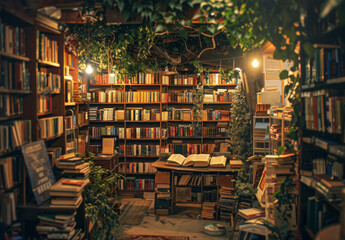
x: 280, y: 150
x: 284, y: 75
x: 309, y: 49
x: 121, y: 5
x: 233, y: 41
x: 159, y: 28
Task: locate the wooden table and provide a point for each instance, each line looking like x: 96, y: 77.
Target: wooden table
x: 161, y: 165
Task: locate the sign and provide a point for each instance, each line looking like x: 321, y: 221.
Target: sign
x: 39, y: 169
x: 272, y: 68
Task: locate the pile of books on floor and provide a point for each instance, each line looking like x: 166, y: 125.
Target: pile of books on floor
x: 226, y: 197
x: 208, y: 210
x: 58, y: 226
x: 278, y: 168
x: 72, y: 166
x: 163, y: 193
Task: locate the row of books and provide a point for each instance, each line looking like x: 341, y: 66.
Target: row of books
x: 180, y: 96
x: 12, y: 39
x: 97, y: 132
x: 10, y: 171
x: 50, y: 127
x: 14, y: 75
x: 8, y: 214
x: 324, y: 113
x: 179, y: 114
x: 47, y: 49
x: 140, y: 96
x: 142, y: 150
x: 140, y: 114
x: 14, y: 134
x: 69, y: 59
x: 10, y: 105
x: 326, y: 64
x: 83, y: 118
x: 132, y: 183
x: 221, y: 95
x: 154, y: 132
x: 45, y: 103
x: 215, y: 131
x: 183, y: 79
x: 136, y: 167
x: 184, y: 130
x: 212, y: 115
x: 48, y: 82
x: 72, y: 166
x: 118, y: 78
x: 187, y: 148
x: 54, y: 153
x: 275, y: 131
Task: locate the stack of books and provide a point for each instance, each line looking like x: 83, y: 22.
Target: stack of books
x: 57, y: 226
x: 208, y: 210
x: 226, y: 197
x: 67, y: 193
x: 236, y: 164
x: 73, y: 167
x: 278, y: 168
x: 163, y: 193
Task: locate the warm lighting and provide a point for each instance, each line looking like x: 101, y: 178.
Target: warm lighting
x: 112, y: 74
x: 255, y: 63
x: 89, y: 69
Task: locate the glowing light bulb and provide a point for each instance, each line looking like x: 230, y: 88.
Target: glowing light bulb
x: 255, y: 63
x: 89, y: 69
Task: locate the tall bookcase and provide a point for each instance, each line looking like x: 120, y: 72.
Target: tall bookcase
x: 15, y: 128
x: 132, y: 109
x: 322, y: 144
x: 115, y: 110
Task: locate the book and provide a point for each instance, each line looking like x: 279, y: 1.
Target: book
x: 235, y: 164
x: 63, y: 202
x: 61, y: 186
x: 251, y: 213
x: 175, y: 160
x: 189, y: 160
x: 202, y: 160
x: 218, y: 161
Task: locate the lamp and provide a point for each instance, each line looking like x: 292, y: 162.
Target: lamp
x: 255, y: 63
x: 89, y: 68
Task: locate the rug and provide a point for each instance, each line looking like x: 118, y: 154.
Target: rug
x: 134, y: 212
x: 151, y: 237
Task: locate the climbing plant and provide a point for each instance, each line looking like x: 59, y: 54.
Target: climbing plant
x: 240, y: 122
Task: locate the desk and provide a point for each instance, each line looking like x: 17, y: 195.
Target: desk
x: 175, y: 171
x: 107, y: 161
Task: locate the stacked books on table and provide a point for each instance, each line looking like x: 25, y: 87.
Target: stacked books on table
x: 208, y: 210
x: 58, y: 226
x: 163, y: 193
x: 251, y: 213
x: 226, y: 197
x: 236, y: 164
x: 67, y: 193
x: 73, y: 167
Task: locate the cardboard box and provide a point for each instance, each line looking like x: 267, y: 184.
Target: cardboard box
x: 271, y: 97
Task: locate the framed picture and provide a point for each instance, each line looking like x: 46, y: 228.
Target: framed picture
x: 109, y: 143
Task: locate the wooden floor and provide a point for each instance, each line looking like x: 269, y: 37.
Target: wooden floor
x: 184, y: 222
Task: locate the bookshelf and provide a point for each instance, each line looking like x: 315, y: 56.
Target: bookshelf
x: 15, y: 128
x: 322, y: 141
x: 215, y: 114
x: 279, y: 126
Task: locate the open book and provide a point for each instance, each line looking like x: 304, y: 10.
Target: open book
x: 218, y: 161
x: 202, y: 160
x: 189, y: 161
x: 175, y: 160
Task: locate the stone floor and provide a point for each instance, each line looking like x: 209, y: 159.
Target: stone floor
x: 184, y: 222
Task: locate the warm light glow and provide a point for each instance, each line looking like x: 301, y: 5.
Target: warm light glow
x: 255, y: 63
x: 112, y: 74
x: 238, y: 69
x: 89, y: 69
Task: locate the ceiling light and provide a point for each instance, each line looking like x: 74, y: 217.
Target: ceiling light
x: 89, y: 69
